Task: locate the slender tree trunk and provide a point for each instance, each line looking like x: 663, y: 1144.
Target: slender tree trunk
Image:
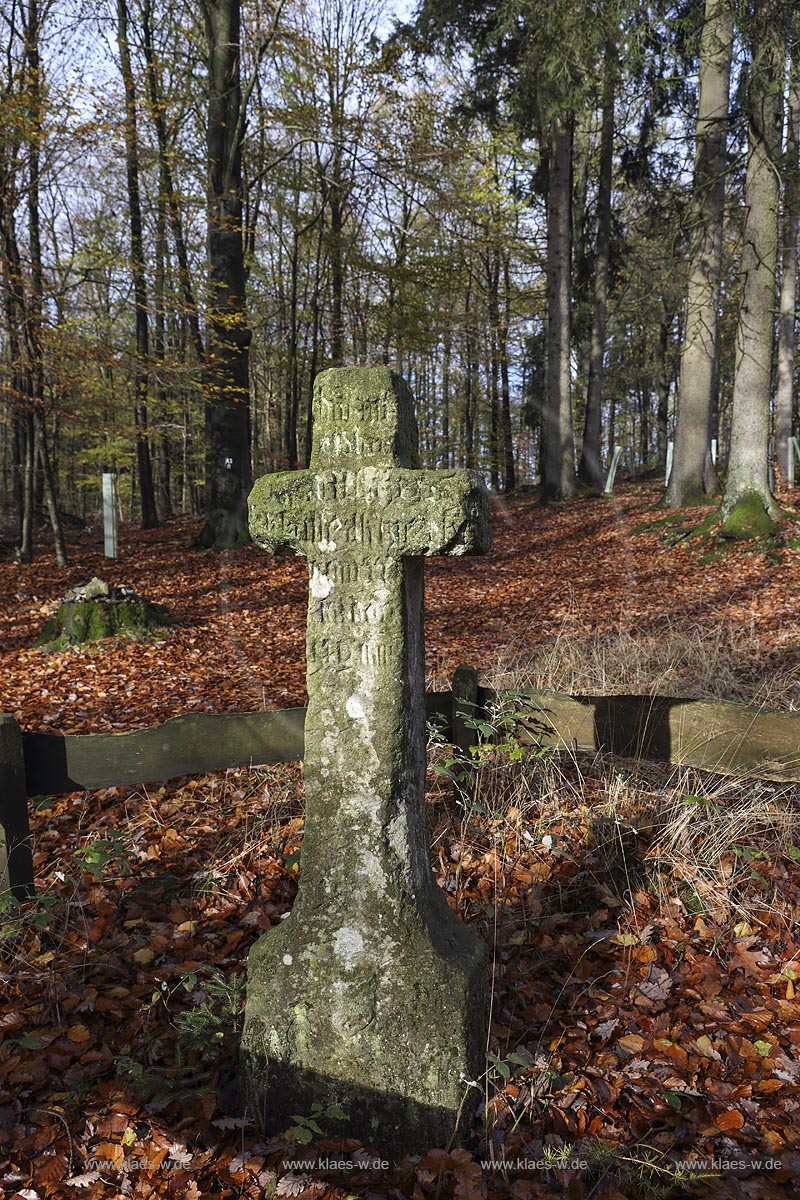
x: 315, y: 343
x: 493, y: 283
x: 164, y: 464
x: 49, y: 489
x: 558, y: 443
x: 141, y: 369
x: 167, y: 184
x: 590, y: 470
x: 446, y: 450
x: 662, y: 381
x: 25, y: 548
x: 784, y: 399
x: 293, y: 401
x: 747, y: 485
x: 510, y: 474
x: 25, y: 313
x: 227, y: 385
x: 687, y: 483
x: 337, y: 273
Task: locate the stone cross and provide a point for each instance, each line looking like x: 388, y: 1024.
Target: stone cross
x: 372, y: 994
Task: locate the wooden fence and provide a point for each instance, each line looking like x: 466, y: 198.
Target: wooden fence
x: 728, y: 739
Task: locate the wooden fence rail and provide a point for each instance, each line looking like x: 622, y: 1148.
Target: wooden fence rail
x: 728, y: 739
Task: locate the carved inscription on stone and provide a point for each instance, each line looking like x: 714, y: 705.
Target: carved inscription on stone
x: 392, y: 510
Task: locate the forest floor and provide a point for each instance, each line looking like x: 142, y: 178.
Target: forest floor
x: 643, y: 919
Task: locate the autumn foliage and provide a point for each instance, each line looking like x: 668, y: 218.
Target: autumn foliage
x: 643, y: 919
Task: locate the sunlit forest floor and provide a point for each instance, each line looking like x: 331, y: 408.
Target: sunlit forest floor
x: 642, y: 918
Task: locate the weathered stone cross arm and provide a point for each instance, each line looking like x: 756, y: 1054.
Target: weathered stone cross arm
x: 419, y: 513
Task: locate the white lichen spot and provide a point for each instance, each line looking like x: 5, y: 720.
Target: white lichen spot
x: 319, y: 585
x: 355, y: 707
x: 349, y: 946
x: 287, y: 960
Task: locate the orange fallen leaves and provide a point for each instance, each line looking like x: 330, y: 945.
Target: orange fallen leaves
x: 631, y: 1022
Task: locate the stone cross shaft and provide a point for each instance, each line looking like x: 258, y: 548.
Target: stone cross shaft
x: 371, y: 994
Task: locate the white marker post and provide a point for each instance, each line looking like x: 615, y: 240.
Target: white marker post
x: 794, y: 451
x: 109, y: 515
x: 714, y: 451
x: 612, y: 470
x: 670, y: 449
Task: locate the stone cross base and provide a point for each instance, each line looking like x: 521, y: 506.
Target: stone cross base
x: 391, y: 1039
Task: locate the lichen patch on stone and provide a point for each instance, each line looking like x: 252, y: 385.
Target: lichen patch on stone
x: 349, y: 945
x: 319, y: 585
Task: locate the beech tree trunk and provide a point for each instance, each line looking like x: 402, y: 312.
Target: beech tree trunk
x: 226, y: 378
x: 748, y: 475
x: 784, y: 399
x: 25, y: 309
x: 687, y: 483
x: 141, y: 368
x: 510, y: 472
x: 167, y: 182
x: 591, y: 468
x: 558, y: 443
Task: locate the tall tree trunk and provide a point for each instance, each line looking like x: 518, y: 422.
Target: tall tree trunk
x: 689, y: 477
x: 662, y: 381
x: 558, y: 443
x: 163, y: 445
x: 590, y: 469
x: 49, y: 487
x: 142, y: 364
x: 25, y: 549
x: 747, y: 485
x: 447, y: 457
x: 337, y: 271
x: 293, y: 399
x: 784, y: 399
x: 167, y: 183
x: 493, y: 283
x: 226, y: 377
x: 25, y: 313
x: 509, y: 469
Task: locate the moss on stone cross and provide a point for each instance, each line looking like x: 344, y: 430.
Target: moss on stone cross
x: 372, y: 995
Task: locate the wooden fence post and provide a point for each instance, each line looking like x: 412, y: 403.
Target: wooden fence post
x: 463, y: 734
x: 16, y: 859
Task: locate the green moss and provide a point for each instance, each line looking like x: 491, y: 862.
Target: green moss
x: 80, y: 621
x: 660, y: 525
x: 707, y: 530
x: 697, y: 498
x: 748, y: 520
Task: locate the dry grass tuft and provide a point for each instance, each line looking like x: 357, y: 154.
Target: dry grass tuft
x: 715, y: 662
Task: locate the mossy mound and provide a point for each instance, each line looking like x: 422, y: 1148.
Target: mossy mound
x: 681, y: 528
x: 95, y: 611
x: 749, y: 521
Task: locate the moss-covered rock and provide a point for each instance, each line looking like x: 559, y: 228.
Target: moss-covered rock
x: 97, y: 610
